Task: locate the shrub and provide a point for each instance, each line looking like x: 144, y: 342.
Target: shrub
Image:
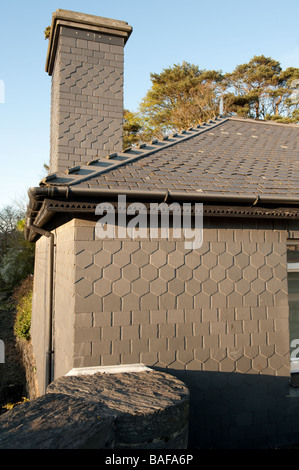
x: 16, y: 253
x: 16, y: 265
x: 23, y: 301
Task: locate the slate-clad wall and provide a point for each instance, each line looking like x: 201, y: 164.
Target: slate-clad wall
x: 222, y: 307
x: 64, y: 299
x: 40, y: 309
x: 63, y: 304
x: 216, y: 317
x: 86, y: 97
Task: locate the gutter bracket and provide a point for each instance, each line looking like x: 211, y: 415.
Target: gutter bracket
x: 256, y: 201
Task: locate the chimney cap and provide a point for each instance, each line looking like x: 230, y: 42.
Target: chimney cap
x: 96, y: 24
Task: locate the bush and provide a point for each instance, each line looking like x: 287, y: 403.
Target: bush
x: 16, y: 265
x: 16, y: 253
x: 22, y: 297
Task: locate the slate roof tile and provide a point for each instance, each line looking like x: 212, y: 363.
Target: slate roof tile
x: 230, y: 155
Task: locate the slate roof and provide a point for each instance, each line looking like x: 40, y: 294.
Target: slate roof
x: 228, y: 155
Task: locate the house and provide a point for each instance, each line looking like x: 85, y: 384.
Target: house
x: 223, y: 317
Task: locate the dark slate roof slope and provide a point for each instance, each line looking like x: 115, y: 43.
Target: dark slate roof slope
x: 229, y: 156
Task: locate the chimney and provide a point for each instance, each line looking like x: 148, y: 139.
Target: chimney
x: 85, y: 61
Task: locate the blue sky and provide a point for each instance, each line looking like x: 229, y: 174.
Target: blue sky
x: 214, y: 35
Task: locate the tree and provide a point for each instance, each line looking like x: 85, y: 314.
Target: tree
x: 132, y: 128
x: 260, y: 89
x: 180, y: 97
x: 16, y: 253
x: 285, y: 103
x: 9, y: 235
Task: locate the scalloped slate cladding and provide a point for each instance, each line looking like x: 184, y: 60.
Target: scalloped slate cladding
x: 86, y: 98
x: 223, y: 307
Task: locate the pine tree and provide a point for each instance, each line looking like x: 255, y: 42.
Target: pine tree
x: 260, y: 89
x: 180, y: 97
x: 132, y: 128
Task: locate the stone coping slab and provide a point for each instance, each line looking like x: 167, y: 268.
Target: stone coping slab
x: 132, y: 410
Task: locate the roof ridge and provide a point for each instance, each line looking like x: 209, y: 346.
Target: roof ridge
x: 262, y: 121
x: 80, y: 173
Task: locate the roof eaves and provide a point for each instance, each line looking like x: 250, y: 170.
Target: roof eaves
x: 45, y: 202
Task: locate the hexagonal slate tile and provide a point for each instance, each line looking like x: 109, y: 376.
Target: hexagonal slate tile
x: 140, y: 287
x: 158, y: 258
x: 149, y: 272
x: 84, y: 287
x: 176, y: 259
x: 84, y: 259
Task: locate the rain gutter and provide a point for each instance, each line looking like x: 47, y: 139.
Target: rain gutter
x: 38, y: 193
x: 67, y: 193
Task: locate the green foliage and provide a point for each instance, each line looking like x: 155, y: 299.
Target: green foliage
x: 9, y: 217
x: 16, y: 269
x: 293, y: 119
x: 260, y: 88
x: 295, y: 116
x: 21, y: 225
x: 16, y: 265
x: 23, y: 301
x: 10, y: 406
x: 16, y: 253
x: 132, y: 128
x: 180, y: 97
x: 47, y: 32
x: 183, y: 96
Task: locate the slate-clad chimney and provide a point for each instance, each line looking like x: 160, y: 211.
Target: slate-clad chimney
x: 85, y: 60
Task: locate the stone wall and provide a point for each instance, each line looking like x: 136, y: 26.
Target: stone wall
x: 28, y: 363
x: 136, y: 410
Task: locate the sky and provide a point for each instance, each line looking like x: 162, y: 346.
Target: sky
x: 213, y: 35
